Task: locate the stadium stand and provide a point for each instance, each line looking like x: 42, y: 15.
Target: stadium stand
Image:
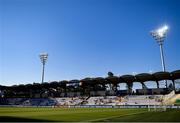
x: 95, y: 91
x: 102, y: 100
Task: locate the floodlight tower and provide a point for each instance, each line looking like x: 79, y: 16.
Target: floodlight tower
x: 43, y: 57
x: 159, y: 35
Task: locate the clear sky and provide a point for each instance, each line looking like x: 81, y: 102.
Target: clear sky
x: 85, y: 38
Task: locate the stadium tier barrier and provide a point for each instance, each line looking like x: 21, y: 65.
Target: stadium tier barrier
x: 123, y: 106
x: 97, y: 106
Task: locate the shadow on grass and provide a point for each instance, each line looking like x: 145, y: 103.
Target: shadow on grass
x: 20, y: 119
x: 168, y: 116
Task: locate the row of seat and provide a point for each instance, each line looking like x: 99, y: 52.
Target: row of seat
x: 101, y: 100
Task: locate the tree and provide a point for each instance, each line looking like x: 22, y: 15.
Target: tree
x: 110, y: 74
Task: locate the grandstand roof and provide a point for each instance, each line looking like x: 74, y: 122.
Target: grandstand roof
x: 144, y: 77
x: 100, y: 80
x: 127, y: 78
x: 74, y: 81
x: 175, y: 74
x: 113, y: 79
x: 162, y: 76
x: 86, y: 81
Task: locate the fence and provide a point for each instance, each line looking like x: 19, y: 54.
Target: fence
x: 122, y: 106
x: 100, y: 106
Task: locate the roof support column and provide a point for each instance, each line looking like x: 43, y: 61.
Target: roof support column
x: 143, y: 87
x: 174, y: 87
x: 115, y: 87
x: 130, y: 85
x: 157, y: 84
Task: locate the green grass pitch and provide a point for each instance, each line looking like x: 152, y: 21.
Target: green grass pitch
x: 8, y: 114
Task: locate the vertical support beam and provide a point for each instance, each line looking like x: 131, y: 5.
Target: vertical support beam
x: 104, y: 86
x: 143, y: 87
x: 65, y: 89
x: 157, y: 84
x: 174, y: 86
x: 115, y: 87
x: 130, y: 85
x: 127, y: 86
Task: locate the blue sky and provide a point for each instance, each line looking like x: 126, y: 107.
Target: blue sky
x: 85, y: 38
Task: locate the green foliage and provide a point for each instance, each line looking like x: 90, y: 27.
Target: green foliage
x: 110, y: 74
x: 177, y: 101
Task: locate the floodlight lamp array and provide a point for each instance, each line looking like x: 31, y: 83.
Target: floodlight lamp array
x: 43, y: 57
x: 160, y: 34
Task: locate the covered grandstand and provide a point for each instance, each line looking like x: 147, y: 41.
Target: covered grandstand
x: 93, y: 91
